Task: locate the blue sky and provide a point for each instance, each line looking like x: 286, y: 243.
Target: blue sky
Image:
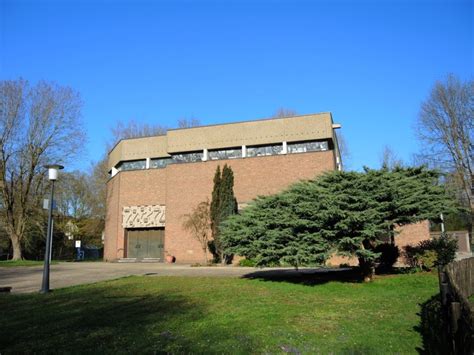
x: 371, y: 63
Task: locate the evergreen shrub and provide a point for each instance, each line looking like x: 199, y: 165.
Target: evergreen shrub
x: 247, y: 262
x: 430, y: 253
x: 389, y: 254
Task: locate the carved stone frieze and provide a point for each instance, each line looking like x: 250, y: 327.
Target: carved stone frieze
x: 143, y: 216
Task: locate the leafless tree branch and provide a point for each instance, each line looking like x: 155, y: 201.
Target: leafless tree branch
x: 38, y: 124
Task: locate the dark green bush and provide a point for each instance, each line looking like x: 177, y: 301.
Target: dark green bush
x: 446, y: 248
x: 247, y: 262
x: 429, y: 253
x: 389, y: 255
x: 411, y: 254
x: 428, y: 259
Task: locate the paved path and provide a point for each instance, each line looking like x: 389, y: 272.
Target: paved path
x: 28, y: 279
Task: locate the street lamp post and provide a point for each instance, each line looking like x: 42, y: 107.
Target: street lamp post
x: 52, y: 176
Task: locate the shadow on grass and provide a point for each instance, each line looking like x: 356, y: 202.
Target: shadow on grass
x: 432, y: 328
x: 107, y: 319
x: 404, y: 270
x: 310, y: 277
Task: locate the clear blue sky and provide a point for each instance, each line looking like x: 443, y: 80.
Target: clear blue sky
x: 370, y: 63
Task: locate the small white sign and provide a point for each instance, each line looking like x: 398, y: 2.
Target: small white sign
x: 46, y: 204
x: 78, y: 243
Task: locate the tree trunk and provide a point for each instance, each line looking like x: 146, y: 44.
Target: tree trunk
x: 367, y: 269
x: 15, y: 239
x: 470, y: 225
x: 204, y: 249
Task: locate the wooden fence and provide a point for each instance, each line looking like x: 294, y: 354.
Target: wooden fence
x: 457, y: 286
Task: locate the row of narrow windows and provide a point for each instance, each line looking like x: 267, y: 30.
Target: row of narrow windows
x: 230, y: 153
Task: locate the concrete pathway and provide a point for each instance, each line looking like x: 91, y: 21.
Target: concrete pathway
x: 28, y: 279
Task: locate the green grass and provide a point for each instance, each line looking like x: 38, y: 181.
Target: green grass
x: 16, y: 263
x: 147, y: 314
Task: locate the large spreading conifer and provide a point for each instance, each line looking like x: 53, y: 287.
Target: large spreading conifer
x: 343, y: 212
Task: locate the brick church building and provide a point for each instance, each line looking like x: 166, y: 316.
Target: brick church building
x: 155, y: 181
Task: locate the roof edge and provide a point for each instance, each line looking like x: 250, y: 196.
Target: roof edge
x: 222, y: 124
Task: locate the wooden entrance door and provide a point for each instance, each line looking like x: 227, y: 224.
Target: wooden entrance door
x: 145, y: 243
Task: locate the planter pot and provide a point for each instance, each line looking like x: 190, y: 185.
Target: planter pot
x: 170, y: 259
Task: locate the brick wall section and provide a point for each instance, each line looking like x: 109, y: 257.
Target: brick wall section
x: 410, y: 234
x: 182, y: 186
x: 188, y: 185
x: 131, y: 188
x: 337, y: 260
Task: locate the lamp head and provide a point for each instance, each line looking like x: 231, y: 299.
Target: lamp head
x: 53, y: 171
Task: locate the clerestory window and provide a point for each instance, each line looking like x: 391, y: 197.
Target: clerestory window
x: 132, y: 165
x: 264, y: 150
x: 231, y: 153
x: 303, y: 147
x: 190, y: 157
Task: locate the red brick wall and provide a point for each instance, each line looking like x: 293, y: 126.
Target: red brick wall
x: 337, y: 260
x: 408, y: 235
x: 411, y: 234
x: 131, y: 188
x: 182, y: 186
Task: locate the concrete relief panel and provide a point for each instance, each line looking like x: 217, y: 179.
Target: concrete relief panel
x: 143, y: 216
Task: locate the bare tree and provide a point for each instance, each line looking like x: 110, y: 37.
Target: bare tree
x: 389, y: 159
x: 38, y: 124
x: 343, y: 149
x: 198, y: 223
x: 445, y: 127
x: 98, y: 180
x: 188, y: 122
x: 283, y: 112
x: 75, y: 195
x: 133, y: 129
x: 82, y: 197
x: 77, y: 199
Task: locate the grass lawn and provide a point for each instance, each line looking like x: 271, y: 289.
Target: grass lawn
x: 145, y: 314
x: 15, y: 263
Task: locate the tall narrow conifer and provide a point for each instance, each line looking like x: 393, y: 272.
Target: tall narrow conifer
x: 215, y: 202
x: 223, y: 204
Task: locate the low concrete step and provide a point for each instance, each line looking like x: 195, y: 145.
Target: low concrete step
x: 144, y: 260
x: 127, y: 260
